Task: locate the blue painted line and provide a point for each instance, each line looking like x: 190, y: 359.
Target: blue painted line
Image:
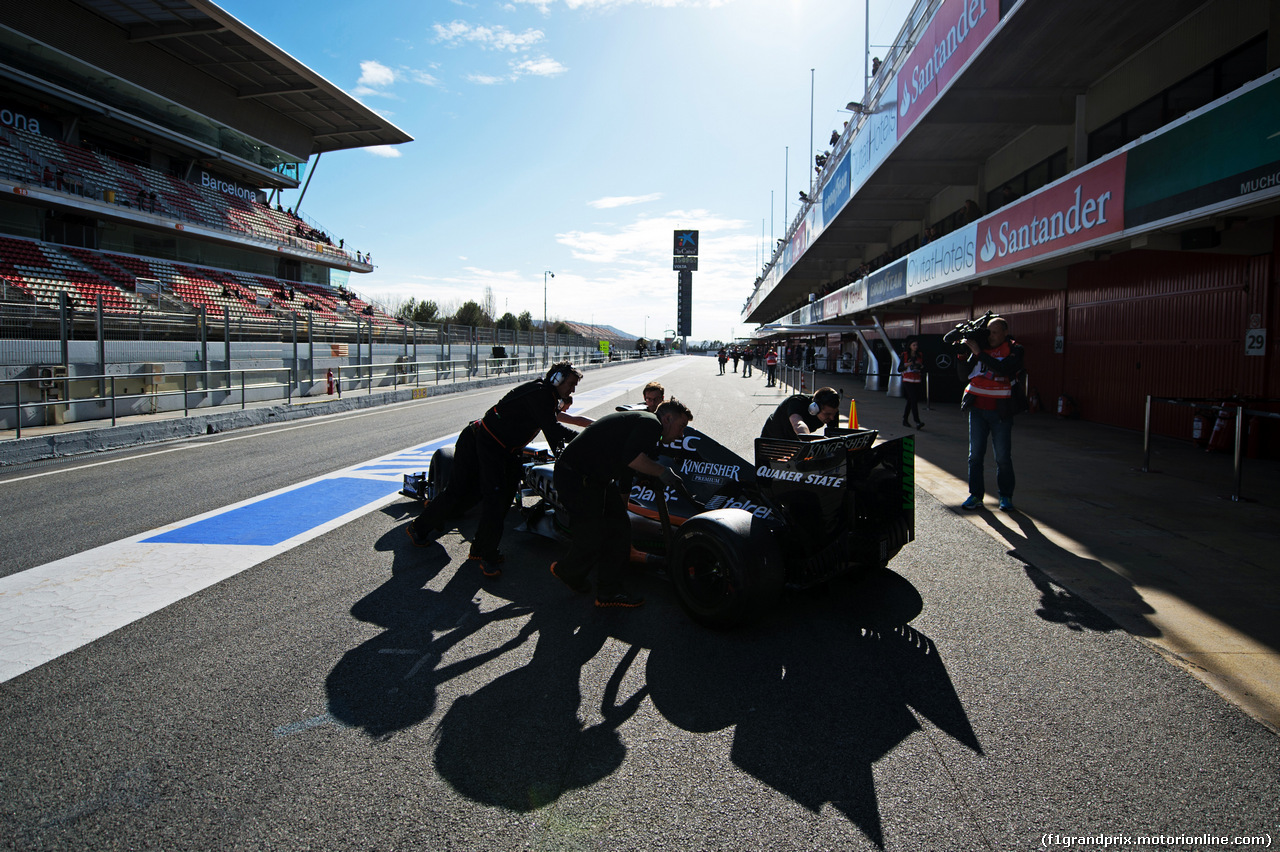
x: 284, y: 516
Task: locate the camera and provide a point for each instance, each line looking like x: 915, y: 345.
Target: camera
x: 974, y: 329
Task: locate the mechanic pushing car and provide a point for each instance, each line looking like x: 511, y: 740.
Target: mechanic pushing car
x: 802, y: 414
x: 486, y: 462
x: 587, y: 479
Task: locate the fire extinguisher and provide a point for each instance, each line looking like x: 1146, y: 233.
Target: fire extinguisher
x: 1223, y: 428
x: 329, y: 380
x: 1033, y: 401
x: 1066, y: 406
x: 1200, y: 426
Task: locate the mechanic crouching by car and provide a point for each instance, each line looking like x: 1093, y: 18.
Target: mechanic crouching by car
x: 487, y: 462
x: 803, y: 414
x: 590, y: 476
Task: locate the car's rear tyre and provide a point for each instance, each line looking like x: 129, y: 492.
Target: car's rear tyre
x: 439, y: 472
x: 726, y: 567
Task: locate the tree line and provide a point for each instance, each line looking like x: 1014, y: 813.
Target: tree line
x: 471, y: 313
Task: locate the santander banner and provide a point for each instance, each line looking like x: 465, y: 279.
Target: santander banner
x: 958, y: 29
x: 1080, y: 209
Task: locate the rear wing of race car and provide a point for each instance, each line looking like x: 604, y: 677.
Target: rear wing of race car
x: 842, y: 484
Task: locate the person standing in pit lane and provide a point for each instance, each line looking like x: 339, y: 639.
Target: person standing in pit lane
x: 912, y: 381
x: 587, y: 479
x: 989, y: 402
x: 486, y: 463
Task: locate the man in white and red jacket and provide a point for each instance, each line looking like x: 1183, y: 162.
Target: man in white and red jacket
x: 989, y: 401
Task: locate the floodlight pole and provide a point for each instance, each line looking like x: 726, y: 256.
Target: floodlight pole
x: 545, y: 359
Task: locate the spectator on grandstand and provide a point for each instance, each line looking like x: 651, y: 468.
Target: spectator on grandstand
x: 152, y: 199
x: 875, y: 65
x: 48, y: 176
x: 835, y: 137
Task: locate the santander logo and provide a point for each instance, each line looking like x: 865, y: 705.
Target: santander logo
x: 988, y: 252
x: 1067, y: 214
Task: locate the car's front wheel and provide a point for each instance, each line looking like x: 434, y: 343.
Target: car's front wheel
x: 439, y: 472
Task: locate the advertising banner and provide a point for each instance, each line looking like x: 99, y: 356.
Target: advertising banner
x: 831, y: 306
x: 853, y: 298
x: 836, y: 192
x: 1084, y: 207
x: 228, y: 186
x: 1223, y: 154
x: 817, y: 310
x: 887, y: 283
x: 946, y: 259
x: 958, y: 29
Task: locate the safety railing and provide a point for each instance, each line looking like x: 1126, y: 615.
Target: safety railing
x: 1238, y: 405
x: 367, y: 377
x: 234, y: 383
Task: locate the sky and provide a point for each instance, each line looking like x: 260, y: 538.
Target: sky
x: 573, y: 137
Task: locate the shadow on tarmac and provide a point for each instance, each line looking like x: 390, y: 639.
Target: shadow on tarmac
x: 830, y: 683
x: 1062, y: 606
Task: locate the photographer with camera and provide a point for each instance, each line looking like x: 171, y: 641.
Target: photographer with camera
x: 997, y: 360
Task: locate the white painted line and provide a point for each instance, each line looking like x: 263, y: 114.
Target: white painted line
x: 55, y: 608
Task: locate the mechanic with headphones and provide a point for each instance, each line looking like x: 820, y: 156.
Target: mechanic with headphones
x: 802, y: 414
x: 590, y: 479
x: 487, y: 462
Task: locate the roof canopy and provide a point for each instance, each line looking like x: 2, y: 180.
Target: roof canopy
x: 208, y: 38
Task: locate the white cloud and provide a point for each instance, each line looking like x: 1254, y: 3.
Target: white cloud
x: 375, y: 74
x: 544, y: 5
x: 542, y: 67
x: 645, y: 241
x: 387, y: 151
x: 375, y: 78
x: 488, y: 38
x: 611, y: 201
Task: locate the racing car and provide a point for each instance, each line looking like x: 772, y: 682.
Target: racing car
x: 738, y: 534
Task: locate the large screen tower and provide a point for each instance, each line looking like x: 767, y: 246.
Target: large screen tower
x: 685, y: 262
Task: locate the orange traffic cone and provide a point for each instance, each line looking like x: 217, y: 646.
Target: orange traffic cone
x: 853, y: 414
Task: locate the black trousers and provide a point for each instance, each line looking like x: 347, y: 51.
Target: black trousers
x: 912, y: 391
x: 482, y: 473
x: 599, y: 529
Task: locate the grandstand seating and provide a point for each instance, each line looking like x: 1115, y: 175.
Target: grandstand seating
x: 38, y: 159
x: 41, y: 270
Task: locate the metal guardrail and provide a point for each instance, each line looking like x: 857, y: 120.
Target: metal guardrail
x: 1217, y: 403
x: 108, y: 394
x: 346, y: 378
x: 396, y: 373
